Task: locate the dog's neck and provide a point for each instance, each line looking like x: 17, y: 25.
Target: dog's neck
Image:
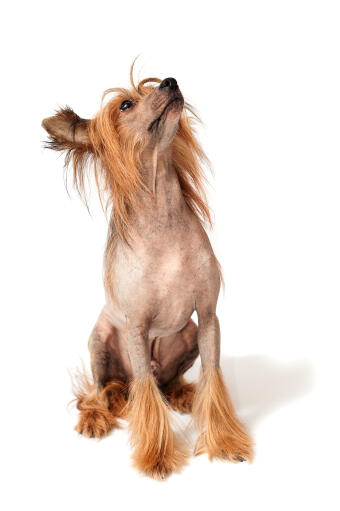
x: 162, y: 203
x: 161, y: 180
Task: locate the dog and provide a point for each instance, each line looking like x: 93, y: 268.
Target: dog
x: 159, y: 268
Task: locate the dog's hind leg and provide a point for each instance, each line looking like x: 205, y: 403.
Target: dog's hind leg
x: 157, y: 452
x: 102, y: 402
x: 172, y: 356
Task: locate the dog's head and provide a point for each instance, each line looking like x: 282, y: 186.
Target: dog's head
x: 152, y: 113
x: 127, y: 130
x: 147, y: 115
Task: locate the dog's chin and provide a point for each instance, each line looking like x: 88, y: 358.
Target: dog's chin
x: 174, y: 108
x: 171, y: 111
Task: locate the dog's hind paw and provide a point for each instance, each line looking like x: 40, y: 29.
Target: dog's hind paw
x: 180, y: 398
x: 96, y: 423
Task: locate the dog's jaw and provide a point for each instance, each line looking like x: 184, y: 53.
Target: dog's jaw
x: 175, y: 103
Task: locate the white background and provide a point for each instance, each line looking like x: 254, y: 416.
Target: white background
x: 264, y: 76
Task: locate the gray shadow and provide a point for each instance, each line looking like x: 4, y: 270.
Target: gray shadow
x: 260, y: 385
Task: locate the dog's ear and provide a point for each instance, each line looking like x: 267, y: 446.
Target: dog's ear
x: 67, y: 131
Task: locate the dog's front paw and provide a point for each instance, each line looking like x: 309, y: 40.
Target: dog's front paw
x: 233, y: 451
x: 96, y: 423
x: 162, y: 466
x: 227, y: 447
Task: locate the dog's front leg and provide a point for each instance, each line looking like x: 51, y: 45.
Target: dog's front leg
x: 221, y: 433
x: 156, y: 450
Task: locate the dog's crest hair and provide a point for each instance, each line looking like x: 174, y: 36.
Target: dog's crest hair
x: 115, y: 154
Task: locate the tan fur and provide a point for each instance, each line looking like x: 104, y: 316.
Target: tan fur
x: 157, y: 451
x: 222, y: 434
x: 180, y: 395
x: 99, y: 410
x: 115, y: 394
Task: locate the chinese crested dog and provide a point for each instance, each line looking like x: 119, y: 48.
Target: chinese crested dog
x: 159, y: 268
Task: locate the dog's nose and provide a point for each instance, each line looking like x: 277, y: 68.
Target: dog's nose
x: 168, y: 82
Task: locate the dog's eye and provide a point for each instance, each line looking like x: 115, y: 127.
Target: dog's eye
x: 125, y: 105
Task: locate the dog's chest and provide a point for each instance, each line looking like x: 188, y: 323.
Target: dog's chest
x: 161, y: 279
x: 161, y: 269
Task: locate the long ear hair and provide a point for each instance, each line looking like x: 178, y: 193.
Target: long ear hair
x: 189, y: 161
x: 117, y: 154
